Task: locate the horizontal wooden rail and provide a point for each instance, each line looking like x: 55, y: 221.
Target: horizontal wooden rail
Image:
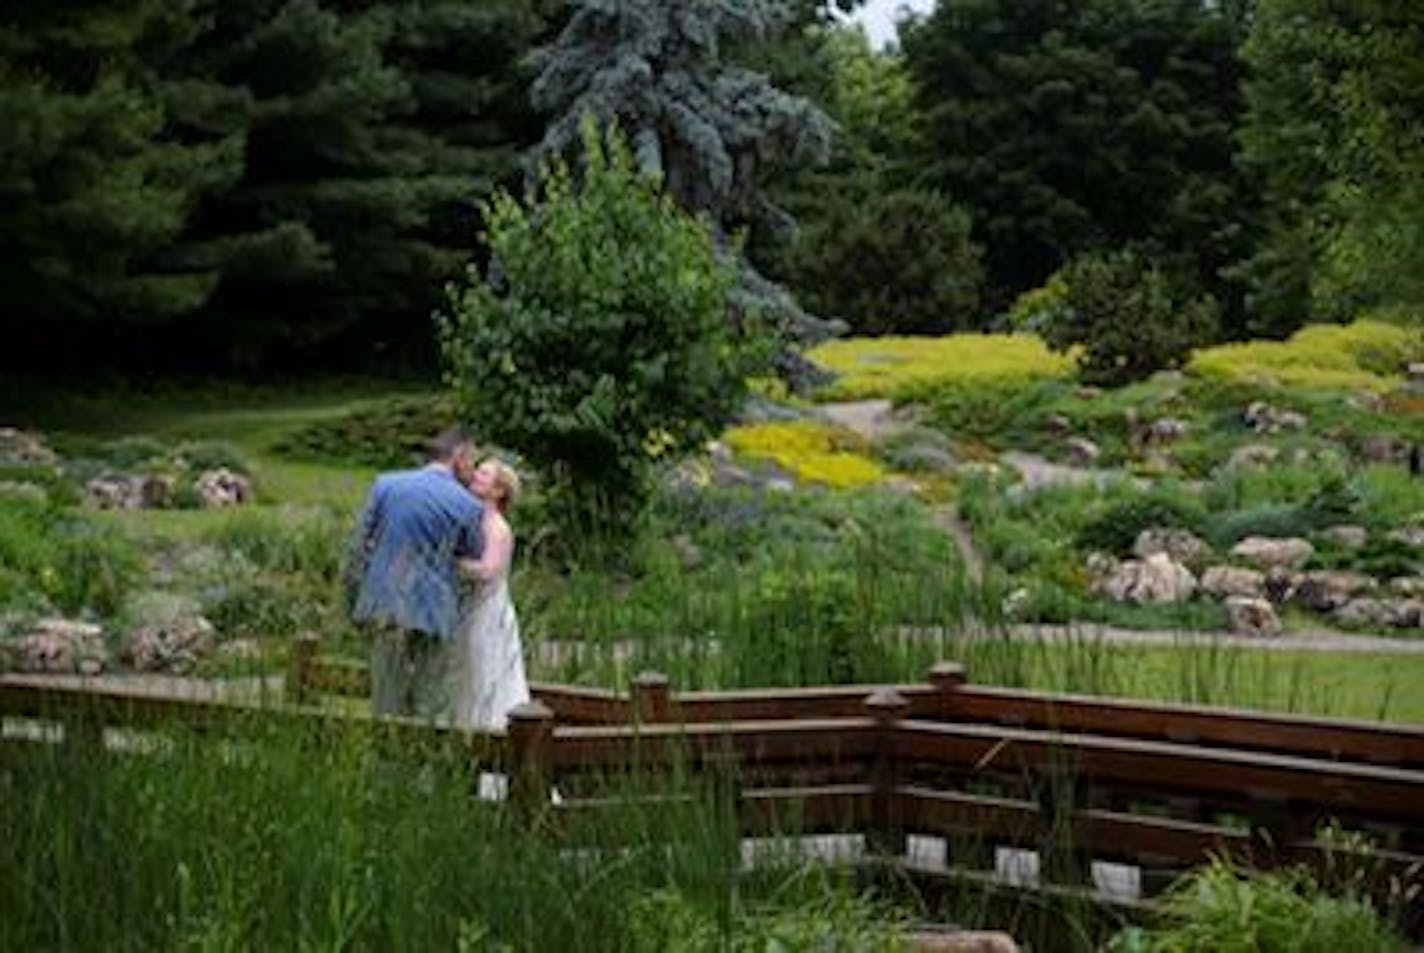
x: 946, y: 696
x: 1231, y: 775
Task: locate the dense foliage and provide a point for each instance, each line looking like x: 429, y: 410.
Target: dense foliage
x: 598, y: 343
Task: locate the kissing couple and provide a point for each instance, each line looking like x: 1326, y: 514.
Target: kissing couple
x: 428, y: 578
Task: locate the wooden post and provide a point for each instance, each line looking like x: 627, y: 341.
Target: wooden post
x: 887, y: 827
x: 300, y: 666
x: 652, y: 697
x: 531, y: 732
x: 946, y: 677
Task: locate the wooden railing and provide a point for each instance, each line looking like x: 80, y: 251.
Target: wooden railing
x: 968, y: 772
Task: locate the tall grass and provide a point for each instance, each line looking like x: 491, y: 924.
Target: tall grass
x: 277, y: 840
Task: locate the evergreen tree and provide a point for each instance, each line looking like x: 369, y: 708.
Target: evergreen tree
x: 1066, y: 126
x: 370, y: 135
x: 710, y: 130
x: 93, y: 185
x: 875, y: 249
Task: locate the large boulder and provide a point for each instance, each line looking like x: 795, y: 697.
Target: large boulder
x: 221, y: 487
x: 118, y: 491
x: 1182, y: 545
x: 1156, y: 579
x: 176, y: 645
x: 59, y: 646
x: 1346, y: 535
x: 1249, y: 616
x: 1270, y: 551
x: 1326, y: 590
x: 18, y: 447
x: 1226, y: 581
x: 1382, y: 613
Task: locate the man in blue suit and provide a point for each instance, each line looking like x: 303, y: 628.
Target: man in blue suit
x: 401, y: 577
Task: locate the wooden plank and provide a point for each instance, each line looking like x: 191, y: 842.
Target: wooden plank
x: 583, y: 706
x: 1374, y: 742
x: 763, y: 704
x: 752, y: 743
x: 1170, y: 768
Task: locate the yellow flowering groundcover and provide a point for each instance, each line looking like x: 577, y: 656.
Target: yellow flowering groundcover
x: 1366, y: 354
x: 902, y: 368
x: 813, y: 451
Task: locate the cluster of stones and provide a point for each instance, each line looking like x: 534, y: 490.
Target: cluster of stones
x: 68, y: 646
x: 131, y: 491
x: 1265, y: 572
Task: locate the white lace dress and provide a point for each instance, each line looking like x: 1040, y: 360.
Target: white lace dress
x: 490, y: 679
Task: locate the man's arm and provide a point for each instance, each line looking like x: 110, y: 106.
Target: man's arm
x: 361, y: 545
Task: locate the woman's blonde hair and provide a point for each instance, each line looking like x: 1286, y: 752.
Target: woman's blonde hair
x: 506, y: 483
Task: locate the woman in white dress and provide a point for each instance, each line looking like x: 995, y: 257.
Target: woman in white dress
x: 490, y: 677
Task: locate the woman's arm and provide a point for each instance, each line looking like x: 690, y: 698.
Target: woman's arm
x: 499, y: 548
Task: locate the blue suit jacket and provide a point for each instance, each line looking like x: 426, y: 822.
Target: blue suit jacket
x: 415, y: 525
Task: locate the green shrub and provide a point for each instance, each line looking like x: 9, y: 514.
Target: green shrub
x: 1263, y: 519
x: 1220, y: 907
x: 1127, y: 319
x: 62, y: 559
x: 603, y: 344
x: 1115, y: 527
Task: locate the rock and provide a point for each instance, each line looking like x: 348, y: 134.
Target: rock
x: 1249, y: 616
x: 1367, y: 400
x: 1156, y: 579
x: 1281, y: 583
x: 222, y: 487
x: 17, y: 447
x: 1082, y: 451
x: 61, y: 646
x: 1382, y: 613
x: 1326, y: 590
x: 1385, y: 448
x: 113, y: 491
x: 118, y: 491
x: 1407, y: 586
x: 760, y: 410
x: 960, y: 941
x: 1225, y: 581
x: 1168, y: 429
x: 1346, y: 536
x: 1263, y: 418
x: 1409, y: 536
x: 174, y: 646
x: 1250, y: 455
x: 1058, y: 424
x: 1414, y: 377
x: 1182, y: 545
x: 1268, y: 551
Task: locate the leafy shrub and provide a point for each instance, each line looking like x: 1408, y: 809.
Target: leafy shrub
x: 602, y: 342
x: 813, y: 451
x: 905, y: 368
x: 62, y: 559
x: 389, y: 434
x: 1220, y: 907
x: 998, y: 411
x: 1115, y: 528
x: 1126, y: 317
x: 1263, y: 519
x: 200, y: 455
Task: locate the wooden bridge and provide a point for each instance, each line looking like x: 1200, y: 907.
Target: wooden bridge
x: 943, y: 782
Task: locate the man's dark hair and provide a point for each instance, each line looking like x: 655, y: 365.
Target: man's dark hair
x: 444, y: 445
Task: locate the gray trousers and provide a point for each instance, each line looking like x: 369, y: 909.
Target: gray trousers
x: 411, y: 673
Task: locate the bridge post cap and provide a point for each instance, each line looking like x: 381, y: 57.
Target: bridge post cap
x: 531, y: 711
x: 650, y: 679
x: 886, y: 700
x: 948, y: 674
